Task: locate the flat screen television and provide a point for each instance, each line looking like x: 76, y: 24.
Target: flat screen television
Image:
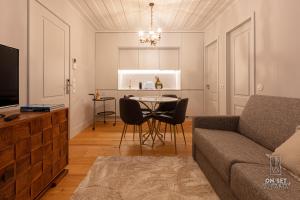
x: 9, y: 76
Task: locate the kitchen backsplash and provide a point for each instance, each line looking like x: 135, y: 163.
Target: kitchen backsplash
x: 130, y: 79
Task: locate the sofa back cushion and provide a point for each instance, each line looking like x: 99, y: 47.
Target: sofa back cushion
x: 269, y: 120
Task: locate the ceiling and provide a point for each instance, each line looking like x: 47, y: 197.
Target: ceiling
x: 134, y: 15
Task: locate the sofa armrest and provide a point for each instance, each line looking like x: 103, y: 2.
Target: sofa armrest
x: 226, y: 123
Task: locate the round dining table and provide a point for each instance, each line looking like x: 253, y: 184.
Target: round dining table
x: 153, y: 101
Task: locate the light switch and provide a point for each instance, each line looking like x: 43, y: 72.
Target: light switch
x: 74, y: 65
x: 222, y: 86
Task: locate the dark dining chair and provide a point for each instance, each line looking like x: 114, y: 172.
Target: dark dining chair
x: 165, y: 107
x: 144, y: 109
x: 131, y: 114
x: 176, y: 118
x: 128, y: 96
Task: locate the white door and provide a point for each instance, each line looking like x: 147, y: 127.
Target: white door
x: 49, y: 57
x: 211, y: 89
x: 241, y: 66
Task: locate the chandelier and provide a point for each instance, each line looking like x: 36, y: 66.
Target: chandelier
x: 151, y: 36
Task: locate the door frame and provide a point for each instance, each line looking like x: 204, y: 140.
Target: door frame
x: 250, y: 19
x: 215, y: 40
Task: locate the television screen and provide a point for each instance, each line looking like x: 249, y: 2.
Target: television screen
x: 9, y: 76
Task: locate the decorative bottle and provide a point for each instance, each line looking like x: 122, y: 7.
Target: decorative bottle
x: 97, y: 96
x: 158, y: 84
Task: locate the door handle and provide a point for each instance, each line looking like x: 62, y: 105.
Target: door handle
x: 208, y: 86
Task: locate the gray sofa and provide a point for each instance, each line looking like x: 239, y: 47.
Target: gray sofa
x: 231, y: 150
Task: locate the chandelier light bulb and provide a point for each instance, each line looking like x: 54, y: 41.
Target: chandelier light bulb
x: 151, y: 37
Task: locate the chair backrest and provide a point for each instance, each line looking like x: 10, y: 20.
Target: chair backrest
x: 167, y: 106
x: 130, y: 111
x: 180, y: 110
x: 128, y: 96
x: 170, y: 95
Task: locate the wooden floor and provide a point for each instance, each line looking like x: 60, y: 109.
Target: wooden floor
x: 86, y: 146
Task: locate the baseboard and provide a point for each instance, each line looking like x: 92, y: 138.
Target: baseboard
x: 110, y: 118
x: 75, y: 130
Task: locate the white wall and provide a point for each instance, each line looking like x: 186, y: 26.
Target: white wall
x: 82, y: 46
x: 190, y: 63
x: 13, y: 32
x: 277, y: 44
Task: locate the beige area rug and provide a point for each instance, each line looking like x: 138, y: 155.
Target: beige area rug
x: 144, y: 178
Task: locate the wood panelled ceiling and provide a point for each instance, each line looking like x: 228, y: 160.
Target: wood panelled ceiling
x: 134, y: 15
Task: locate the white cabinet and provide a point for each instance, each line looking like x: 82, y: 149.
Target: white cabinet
x: 145, y: 58
x: 192, y: 61
x: 128, y: 53
x: 128, y: 58
x: 148, y: 59
x: 169, y: 58
x: 195, y: 104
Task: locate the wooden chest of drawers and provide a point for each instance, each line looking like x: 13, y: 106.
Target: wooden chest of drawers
x: 33, y: 153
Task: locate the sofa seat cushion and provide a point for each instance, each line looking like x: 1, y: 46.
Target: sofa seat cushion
x: 224, y: 148
x: 247, y: 183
